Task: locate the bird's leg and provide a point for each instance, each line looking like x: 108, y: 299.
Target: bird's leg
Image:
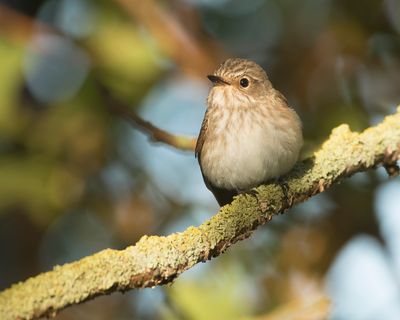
x: 285, y: 189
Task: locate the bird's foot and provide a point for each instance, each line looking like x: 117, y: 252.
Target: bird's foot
x: 252, y: 193
x: 288, y: 201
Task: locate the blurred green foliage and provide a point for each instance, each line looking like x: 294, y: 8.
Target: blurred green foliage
x: 72, y: 167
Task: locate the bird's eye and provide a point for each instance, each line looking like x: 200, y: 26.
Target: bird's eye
x: 244, y: 82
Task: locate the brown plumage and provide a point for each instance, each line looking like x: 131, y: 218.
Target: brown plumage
x: 249, y: 133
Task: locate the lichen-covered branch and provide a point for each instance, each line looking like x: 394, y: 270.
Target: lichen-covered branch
x: 158, y: 260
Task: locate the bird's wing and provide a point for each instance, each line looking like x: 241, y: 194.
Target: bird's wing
x: 202, y: 136
x: 282, y: 97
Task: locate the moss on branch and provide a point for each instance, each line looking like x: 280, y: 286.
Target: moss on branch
x: 158, y: 260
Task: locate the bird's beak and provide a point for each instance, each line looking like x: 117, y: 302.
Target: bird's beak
x: 217, y: 80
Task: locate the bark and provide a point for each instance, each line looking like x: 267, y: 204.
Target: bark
x: 157, y: 260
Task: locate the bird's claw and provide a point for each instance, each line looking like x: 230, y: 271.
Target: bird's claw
x: 285, y: 190
x: 252, y: 193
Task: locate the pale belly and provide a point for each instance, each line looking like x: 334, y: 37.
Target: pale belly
x: 259, y: 155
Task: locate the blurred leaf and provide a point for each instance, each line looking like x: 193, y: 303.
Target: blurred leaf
x: 37, y: 185
x: 219, y: 295
x: 125, y: 58
x: 316, y: 308
x: 10, y: 81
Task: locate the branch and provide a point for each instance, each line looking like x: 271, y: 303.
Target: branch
x: 158, y: 260
x: 154, y: 133
x: 173, y: 37
x: 20, y: 28
x: 157, y: 134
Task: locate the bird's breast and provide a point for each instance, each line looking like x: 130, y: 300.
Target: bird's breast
x: 244, y: 149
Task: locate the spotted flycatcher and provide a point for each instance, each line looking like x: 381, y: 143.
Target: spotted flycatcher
x: 249, y: 133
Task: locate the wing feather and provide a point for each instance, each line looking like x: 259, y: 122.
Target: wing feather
x: 202, y: 137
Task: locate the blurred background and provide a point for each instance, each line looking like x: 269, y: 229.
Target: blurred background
x: 76, y: 177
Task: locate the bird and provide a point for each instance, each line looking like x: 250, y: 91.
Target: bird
x: 249, y: 134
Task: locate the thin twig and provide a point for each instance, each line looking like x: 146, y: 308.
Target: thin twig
x: 20, y: 28
x: 156, y: 134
